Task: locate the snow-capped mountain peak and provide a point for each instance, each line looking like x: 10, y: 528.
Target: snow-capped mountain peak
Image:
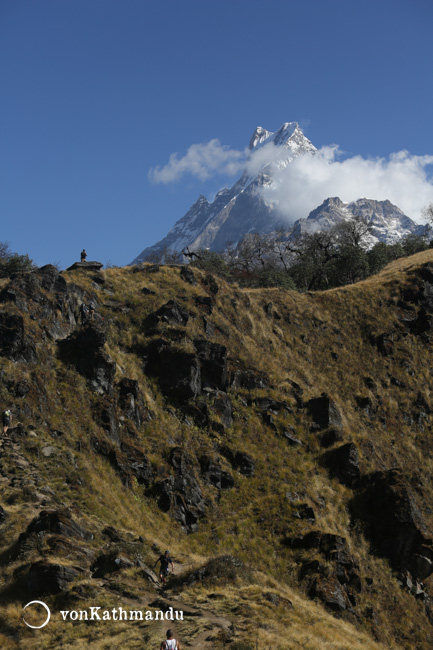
x: 242, y: 209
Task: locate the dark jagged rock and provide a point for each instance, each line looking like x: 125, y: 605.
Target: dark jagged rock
x: 222, y: 405
x: 293, y: 442
x: 171, y: 314
x: 14, y: 343
x: 343, y: 464
x: 56, y: 522
x: 206, y: 302
x: 250, y: 379
x: 211, y: 284
x: 188, y: 276
x: 239, y: 460
x: 180, y: 493
x: 324, y: 412
x: 213, y: 363
x: 109, y: 563
x: 393, y: 522
x: 106, y: 416
x: 305, y: 512
x: 385, y: 343
x: 85, y: 266
x: 148, y: 292
x: 84, y: 349
x: 212, y: 472
x: 179, y: 374
x: 131, y: 462
x: 47, y: 578
x: 330, y: 437
x: 329, y: 591
x: 131, y: 400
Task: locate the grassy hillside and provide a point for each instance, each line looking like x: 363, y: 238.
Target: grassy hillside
x: 279, y: 444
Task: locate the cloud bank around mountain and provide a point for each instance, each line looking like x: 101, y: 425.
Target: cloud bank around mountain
x: 201, y: 161
x: 299, y: 187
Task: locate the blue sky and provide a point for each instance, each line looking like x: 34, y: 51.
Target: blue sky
x: 95, y: 93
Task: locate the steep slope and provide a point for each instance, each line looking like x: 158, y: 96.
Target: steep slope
x: 279, y: 444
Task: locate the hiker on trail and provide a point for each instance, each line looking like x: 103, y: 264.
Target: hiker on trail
x: 84, y: 313
x: 6, y: 419
x: 163, y: 570
x: 91, y: 311
x: 170, y: 643
x: 83, y: 255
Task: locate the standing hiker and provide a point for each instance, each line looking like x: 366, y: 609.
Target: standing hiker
x: 83, y: 255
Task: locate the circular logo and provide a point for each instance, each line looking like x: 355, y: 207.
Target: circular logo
x: 38, y: 602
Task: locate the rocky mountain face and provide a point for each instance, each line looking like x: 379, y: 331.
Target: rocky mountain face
x: 388, y: 223
x: 238, y: 210
x: 279, y: 444
x: 242, y: 209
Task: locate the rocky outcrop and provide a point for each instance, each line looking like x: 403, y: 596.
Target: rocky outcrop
x: 334, y: 582
x: 56, y: 522
x: 343, y: 464
x: 15, y: 343
x: 180, y: 493
x: 84, y: 350
x: 324, y: 412
x: 109, y: 563
x: 85, y: 266
x: 170, y: 314
x: 213, y: 364
x: 47, y: 578
x: 386, y: 505
x: 239, y: 460
x: 47, y: 294
x: 183, y: 375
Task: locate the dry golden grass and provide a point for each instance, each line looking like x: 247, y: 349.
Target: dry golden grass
x: 323, y: 341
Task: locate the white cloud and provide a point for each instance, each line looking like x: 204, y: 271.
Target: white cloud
x: 202, y: 161
x: 304, y: 184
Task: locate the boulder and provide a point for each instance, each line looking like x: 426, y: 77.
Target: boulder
x: 131, y: 400
x: 213, y: 474
x: 324, y: 412
x: 109, y: 563
x: 384, y: 502
x: 56, y: 522
x: 131, y: 462
x: 222, y: 405
x: 213, y: 364
x: 249, y: 379
x: 206, y: 302
x: 188, y: 276
x: 343, y: 464
x: 85, y: 266
x: 239, y: 460
x: 84, y: 349
x: 180, y: 493
x: 330, y: 592
x: 47, y: 578
x: 179, y: 374
x: 330, y: 437
x: 15, y: 344
x: 171, y: 314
